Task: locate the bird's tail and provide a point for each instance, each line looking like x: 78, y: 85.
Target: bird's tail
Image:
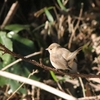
x: 73, y: 54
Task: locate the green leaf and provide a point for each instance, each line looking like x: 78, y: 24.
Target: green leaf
x: 7, y: 43
x: 48, y: 14
x: 14, y: 85
x: 20, y: 39
x: 86, y: 48
x: 16, y: 27
x: 61, y: 5
x: 53, y: 76
x: 3, y: 81
x: 22, y: 45
x: 5, y: 40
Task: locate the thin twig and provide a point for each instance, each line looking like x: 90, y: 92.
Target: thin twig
x: 18, y: 60
x: 83, y: 89
x: 10, y: 14
x: 76, y: 26
x: 22, y: 84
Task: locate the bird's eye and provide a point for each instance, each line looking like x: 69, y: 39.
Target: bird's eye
x: 50, y: 49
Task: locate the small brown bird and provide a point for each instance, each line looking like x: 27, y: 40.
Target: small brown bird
x: 62, y: 58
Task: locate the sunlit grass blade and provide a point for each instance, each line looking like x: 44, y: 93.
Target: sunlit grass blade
x: 61, y: 5
x: 48, y: 14
x: 53, y: 76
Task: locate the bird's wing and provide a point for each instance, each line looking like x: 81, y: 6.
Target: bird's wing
x: 68, y: 57
x: 58, y: 61
x: 65, y: 53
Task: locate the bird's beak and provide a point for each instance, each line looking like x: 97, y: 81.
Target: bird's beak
x: 46, y: 49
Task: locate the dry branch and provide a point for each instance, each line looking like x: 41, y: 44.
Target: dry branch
x: 5, y: 50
